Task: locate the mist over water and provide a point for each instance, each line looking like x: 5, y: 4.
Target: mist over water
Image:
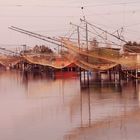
x: 35, y: 106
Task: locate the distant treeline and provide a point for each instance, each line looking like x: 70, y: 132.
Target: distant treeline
x: 42, y: 49
x: 130, y: 43
x: 39, y: 49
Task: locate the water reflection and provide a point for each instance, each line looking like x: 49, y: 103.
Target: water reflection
x: 35, y: 106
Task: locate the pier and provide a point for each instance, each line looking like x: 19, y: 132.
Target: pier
x: 66, y: 65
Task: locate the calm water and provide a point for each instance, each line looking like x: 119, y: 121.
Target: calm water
x: 36, y: 107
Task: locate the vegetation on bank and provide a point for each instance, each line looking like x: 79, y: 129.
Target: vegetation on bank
x: 39, y: 49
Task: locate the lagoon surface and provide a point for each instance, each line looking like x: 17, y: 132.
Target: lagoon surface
x: 37, y: 107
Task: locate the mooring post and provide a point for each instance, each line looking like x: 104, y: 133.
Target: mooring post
x: 110, y: 74
x: 88, y: 78
x: 136, y: 74
x: 84, y: 77
x: 80, y: 76
x: 120, y: 73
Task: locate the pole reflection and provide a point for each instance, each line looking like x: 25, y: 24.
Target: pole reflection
x: 97, y: 110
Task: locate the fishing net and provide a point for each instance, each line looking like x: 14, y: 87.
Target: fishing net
x: 96, y: 58
x: 58, y: 62
x: 102, y: 58
x: 7, y: 61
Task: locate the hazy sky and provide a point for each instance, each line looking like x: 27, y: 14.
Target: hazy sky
x: 52, y: 17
